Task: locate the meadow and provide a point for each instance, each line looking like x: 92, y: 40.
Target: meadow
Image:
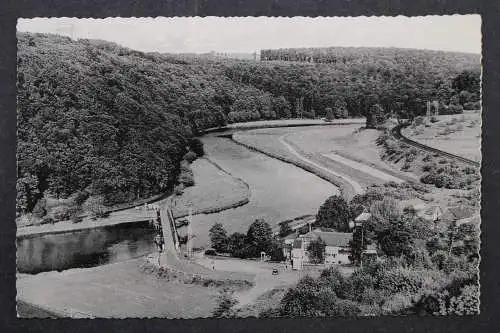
x: 456, y: 134
x: 279, y: 191
x: 214, y: 190
x: 343, y: 155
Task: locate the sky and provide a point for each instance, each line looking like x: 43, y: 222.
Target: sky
x: 248, y: 34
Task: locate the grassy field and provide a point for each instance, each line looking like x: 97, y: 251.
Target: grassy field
x: 456, y: 134
x: 113, y: 291
x: 344, y: 150
x: 214, y: 190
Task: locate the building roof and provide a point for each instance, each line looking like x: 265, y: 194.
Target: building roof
x: 363, y: 217
x: 297, y: 244
x: 460, y: 212
x: 334, y: 238
x: 416, y: 203
x: 431, y: 213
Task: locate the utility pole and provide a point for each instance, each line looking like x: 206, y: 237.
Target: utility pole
x: 189, y: 242
x: 362, y: 243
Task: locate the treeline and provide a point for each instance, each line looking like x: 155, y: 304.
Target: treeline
x: 399, y: 80
x: 98, y: 119
x: 259, y: 238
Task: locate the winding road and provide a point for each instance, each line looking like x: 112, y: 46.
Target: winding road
x: 396, y: 133
x: 358, y: 189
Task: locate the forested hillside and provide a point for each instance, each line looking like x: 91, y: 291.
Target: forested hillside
x: 95, y: 118
x: 400, y: 80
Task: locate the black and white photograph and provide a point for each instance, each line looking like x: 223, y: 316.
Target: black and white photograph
x: 234, y: 167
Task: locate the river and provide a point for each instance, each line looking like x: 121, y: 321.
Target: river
x: 279, y: 191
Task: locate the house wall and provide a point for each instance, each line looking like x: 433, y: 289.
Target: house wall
x: 336, y: 255
x: 297, y: 258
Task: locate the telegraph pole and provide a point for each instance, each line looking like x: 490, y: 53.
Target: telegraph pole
x: 189, y: 234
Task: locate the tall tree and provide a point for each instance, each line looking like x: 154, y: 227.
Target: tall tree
x: 259, y: 237
x: 218, y: 238
x: 316, y: 250
x: 334, y: 213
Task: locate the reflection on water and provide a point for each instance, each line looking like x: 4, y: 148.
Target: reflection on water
x: 85, y: 248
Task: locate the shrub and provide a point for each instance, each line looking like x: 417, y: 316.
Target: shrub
x: 196, y: 146
x: 40, y: 209
x: 454, y: 109
x: 94, y: 205
x: 401, y: 280
x: 186, y: 176
x: 190, y: 157
x: 472, y: 105
x: 225, y: 305
x: 398, y: 303
x: 428, y: 167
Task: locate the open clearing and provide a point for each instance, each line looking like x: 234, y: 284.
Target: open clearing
x: 117, y: 290
x: 214, y: 190
x: 343, y: 154
x: 457, y: 134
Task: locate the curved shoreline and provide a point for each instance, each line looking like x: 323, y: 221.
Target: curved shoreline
x: 344, y: 188
x: 225, y: 206
x: 35, y: 230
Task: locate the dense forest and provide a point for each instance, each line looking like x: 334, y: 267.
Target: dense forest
x: 399, y: 80
x: 98, y: 119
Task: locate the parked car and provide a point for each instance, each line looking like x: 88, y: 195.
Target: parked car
x: 210, y: 252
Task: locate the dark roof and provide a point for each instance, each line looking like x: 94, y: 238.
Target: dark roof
x: 340, y: 239
x: 460, y: 212
x: 297, y: 244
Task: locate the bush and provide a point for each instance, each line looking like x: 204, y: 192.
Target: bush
x: 398, y: 303
x: 472, y: 105
x: 224, y: 309
x: 454, y: 109
x: 428, y: 167
x: 40, y: 209
x: 401, y: 280
x: 94, y: 205
x: 186, y: 176
x: 190, y: 157
x: 196, y: 146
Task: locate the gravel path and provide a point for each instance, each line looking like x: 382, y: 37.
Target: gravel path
x: 364, y: 168
x: 358, y: 189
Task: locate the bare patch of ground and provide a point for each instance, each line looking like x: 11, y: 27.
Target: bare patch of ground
x: 114, y: 291
x: 457, y: 134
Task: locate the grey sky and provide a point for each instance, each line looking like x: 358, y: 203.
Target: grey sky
x: 248, y: 34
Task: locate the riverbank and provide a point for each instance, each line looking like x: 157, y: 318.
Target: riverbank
x: 285, y: 123
x: 215, y: 190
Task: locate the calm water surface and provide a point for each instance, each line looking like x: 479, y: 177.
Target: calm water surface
x: 279, y: 191
x: 85, y: 248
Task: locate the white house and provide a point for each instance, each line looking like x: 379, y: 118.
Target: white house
x: 337, y: 250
